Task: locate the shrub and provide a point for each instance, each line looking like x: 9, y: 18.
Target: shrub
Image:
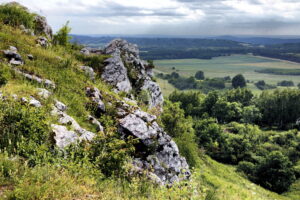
x: 23, y: 130
x: 275, y: 172
x: 15, y: 15
x: 110, y: 154
x: 246, y: 167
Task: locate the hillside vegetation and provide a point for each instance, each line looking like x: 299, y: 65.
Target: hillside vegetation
x: 34, y: 166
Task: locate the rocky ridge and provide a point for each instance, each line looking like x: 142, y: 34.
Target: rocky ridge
x: 126, y: 71
x: 156, y: 152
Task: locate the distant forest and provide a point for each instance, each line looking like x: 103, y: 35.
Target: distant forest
x: 184, y: 48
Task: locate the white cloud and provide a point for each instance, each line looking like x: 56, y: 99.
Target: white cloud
x: 171, y: 16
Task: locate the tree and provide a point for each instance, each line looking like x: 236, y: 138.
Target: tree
x: 241, y: 95
x: 199, y: 75
x: 239, y: 81
x: 299, y: 85
x: 280, y: 107
x: 62, y: 36
x: 275, y: 172
x: 226, y: 111
x: 251, y: 114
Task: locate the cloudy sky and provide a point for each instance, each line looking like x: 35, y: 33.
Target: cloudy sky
x: 172, y: 17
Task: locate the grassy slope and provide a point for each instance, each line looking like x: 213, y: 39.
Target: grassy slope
x: 217, y: 180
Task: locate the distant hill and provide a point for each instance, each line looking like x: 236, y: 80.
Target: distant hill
x: 145, y: 42
x: 260, y: 40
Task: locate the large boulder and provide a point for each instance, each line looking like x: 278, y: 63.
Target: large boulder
x: 126, y: 71
x: 158, y: 153
x: 42, y: 27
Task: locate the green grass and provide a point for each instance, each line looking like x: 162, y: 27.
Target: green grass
x: 225, y: 183
x: 229, y: 66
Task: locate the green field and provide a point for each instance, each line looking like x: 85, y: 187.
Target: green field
x: 227, y: 66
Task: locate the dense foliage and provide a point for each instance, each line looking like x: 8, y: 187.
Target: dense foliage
x: 227, y: 127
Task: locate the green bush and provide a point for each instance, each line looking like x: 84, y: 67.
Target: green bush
x: 10, y: 168
x: 246, y: 167
x: 15, y: 15
x: 110, y: 154
x: 23, y: 130
x: 275, y: 172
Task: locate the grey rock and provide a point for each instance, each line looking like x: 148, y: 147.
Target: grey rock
x: 96, y: 97
x: 26, y: 30
x: 85, y: 51
x: 42, y: 27
x: 15, y: 97
x: 37, y: 79
x: 160, y: 152
x: 122, y: 45
x: 43, y: 41
x: 63, y: 137
x: 24, y: 100
x: 86, y: 135
x: 154, y: 90
x: 115, y: 73
x: 35, y: 103
x: 125, y: 57
x: 49, y: 84
x: 30, y: 57
x: 13, y: 57
x: 94, y: 121
x: 13, y: 49
x: 15, y: 62
x: 60, y: 106
x: 65, y: 119
x: 44, y: 93
x: 89, y: 71
x: 46, y: 82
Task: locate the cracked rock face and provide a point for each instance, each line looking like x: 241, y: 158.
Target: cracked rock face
x: 115, y: 73
x: 159, y: 153
x: 42, y: 27
x: 126, y: 71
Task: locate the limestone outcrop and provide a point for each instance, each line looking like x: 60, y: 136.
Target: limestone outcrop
x: 126, y: 71
x: 158, y: 153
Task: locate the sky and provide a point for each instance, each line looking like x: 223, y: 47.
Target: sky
x: 172, y: 17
